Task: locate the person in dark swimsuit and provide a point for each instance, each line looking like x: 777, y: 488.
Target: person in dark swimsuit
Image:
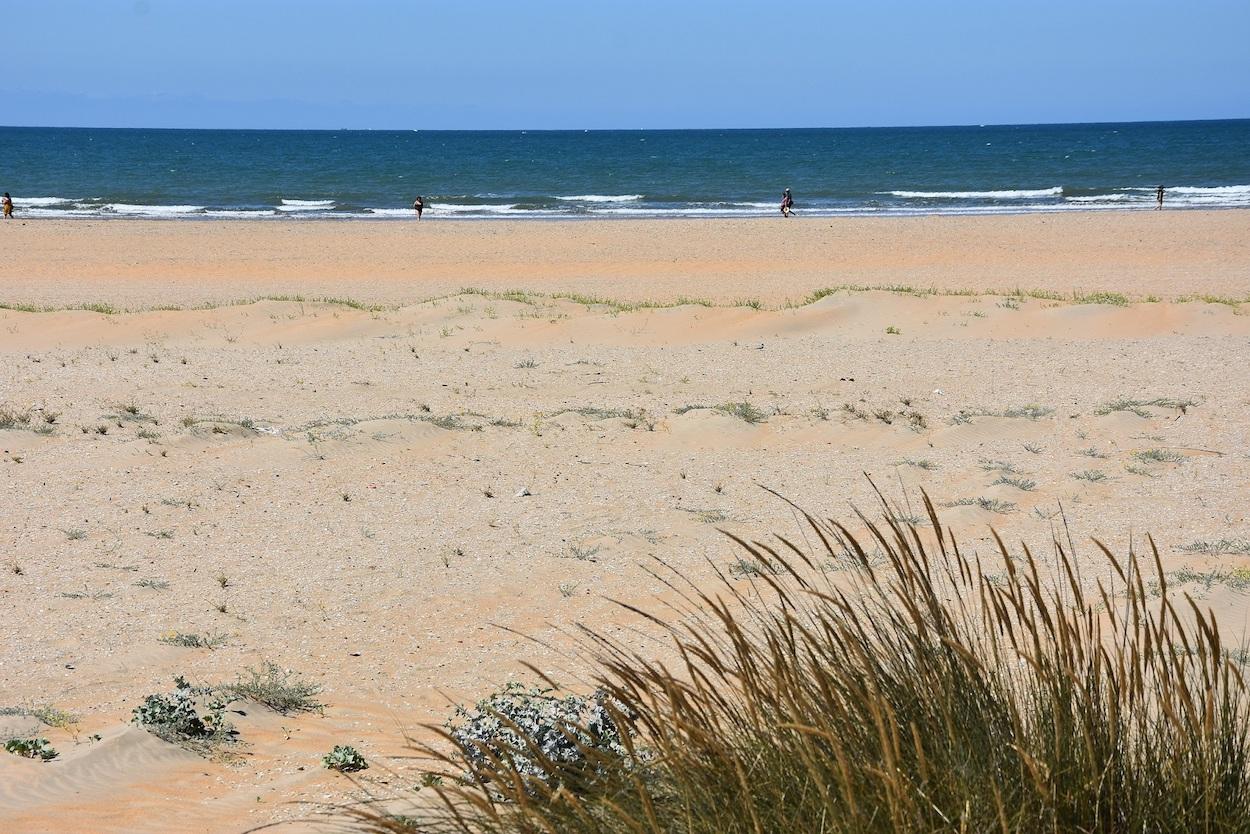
x: 418, y: 205
x: 787, y: 203
x: 1158, y: 198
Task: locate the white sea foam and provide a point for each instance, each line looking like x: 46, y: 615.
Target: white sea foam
x: 388, y: 212
x: 601, y: 198
x: 1111, y: 198
x: 149, y: 211
x: 240, y: 214
x: 477, y: 208
x: 1235, y: 191
x: 42, y: 201
x: 38, y: 211
x: 306, y: 205
x: 1022, y: 194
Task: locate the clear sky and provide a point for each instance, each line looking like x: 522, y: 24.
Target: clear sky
x: 619, y: 63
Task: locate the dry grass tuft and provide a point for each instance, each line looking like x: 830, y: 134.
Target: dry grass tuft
x: 919, y: 690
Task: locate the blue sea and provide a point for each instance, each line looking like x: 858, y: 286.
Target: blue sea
x: 90, y: 172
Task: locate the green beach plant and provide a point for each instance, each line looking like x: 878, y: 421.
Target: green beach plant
x: 192, y: 717
x: 31, y: 748
x: 345, y: 759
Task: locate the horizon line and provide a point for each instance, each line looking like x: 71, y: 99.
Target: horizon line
x: 623, y: 129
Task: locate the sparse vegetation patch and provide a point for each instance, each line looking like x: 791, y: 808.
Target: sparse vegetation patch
x: 282, y: 690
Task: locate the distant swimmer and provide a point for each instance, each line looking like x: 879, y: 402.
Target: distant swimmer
x: 787, y: 203
x: 418, y: 205
x: 1158, y: 198
x: 8, y: 206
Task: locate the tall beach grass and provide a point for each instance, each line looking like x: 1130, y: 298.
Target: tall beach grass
x: 887, y: 682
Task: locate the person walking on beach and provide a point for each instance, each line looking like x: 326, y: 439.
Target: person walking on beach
x: 418, y: 205
x: 8, y: 206
x: 1158, y: 198
x: 787, y: 203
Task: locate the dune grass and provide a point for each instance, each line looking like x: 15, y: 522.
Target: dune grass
x: 923, y: 690
x: 616, y: 305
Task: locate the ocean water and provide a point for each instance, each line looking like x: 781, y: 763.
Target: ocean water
x: 89, y: 172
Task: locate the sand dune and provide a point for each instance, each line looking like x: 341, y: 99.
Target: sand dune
x: 393, y: 496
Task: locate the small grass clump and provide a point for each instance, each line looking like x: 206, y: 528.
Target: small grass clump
x: 1019, y: 483
x: 931, y: 691
x: 11, y: 418
x: 131, y: 411
x: 633, y: 417
x: 750, y: 568
x: 1113, y: 298
x: 994, y: 505
x: 1090, y: 475
x: 1027, y: 412
x: 584, y: 553
x: 193, y: 641
x: 46, y: 714
x: 709, y: 516
x: 282, y: 690
x: 1230, y: 547
x: 1139, y: 407
x: 852, y: 410
x: 743, y: 411
x: 1159, y: 456
x: 1237, y: 579
x: 919, y: 463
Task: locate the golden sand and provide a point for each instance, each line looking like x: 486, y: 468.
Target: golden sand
x: 386, y: 491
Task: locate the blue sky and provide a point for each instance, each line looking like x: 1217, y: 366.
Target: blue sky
x: 619, y: 63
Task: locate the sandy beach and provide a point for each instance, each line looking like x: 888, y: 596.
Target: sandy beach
x: 143, y: 264
x: 384, y: 496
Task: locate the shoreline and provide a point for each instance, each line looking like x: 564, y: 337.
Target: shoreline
x: 589, y: 217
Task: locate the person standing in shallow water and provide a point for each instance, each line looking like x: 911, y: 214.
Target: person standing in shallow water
x: 418, y: 205
x: 787, y: 203
x: 1158, y: 198
x: 8, y: 206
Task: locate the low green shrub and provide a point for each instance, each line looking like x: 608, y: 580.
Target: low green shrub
x: 191, y: 717
x: 31, y: 748
x: 344, y: 759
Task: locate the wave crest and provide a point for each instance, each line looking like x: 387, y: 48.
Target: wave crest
x: 1019, y: 194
